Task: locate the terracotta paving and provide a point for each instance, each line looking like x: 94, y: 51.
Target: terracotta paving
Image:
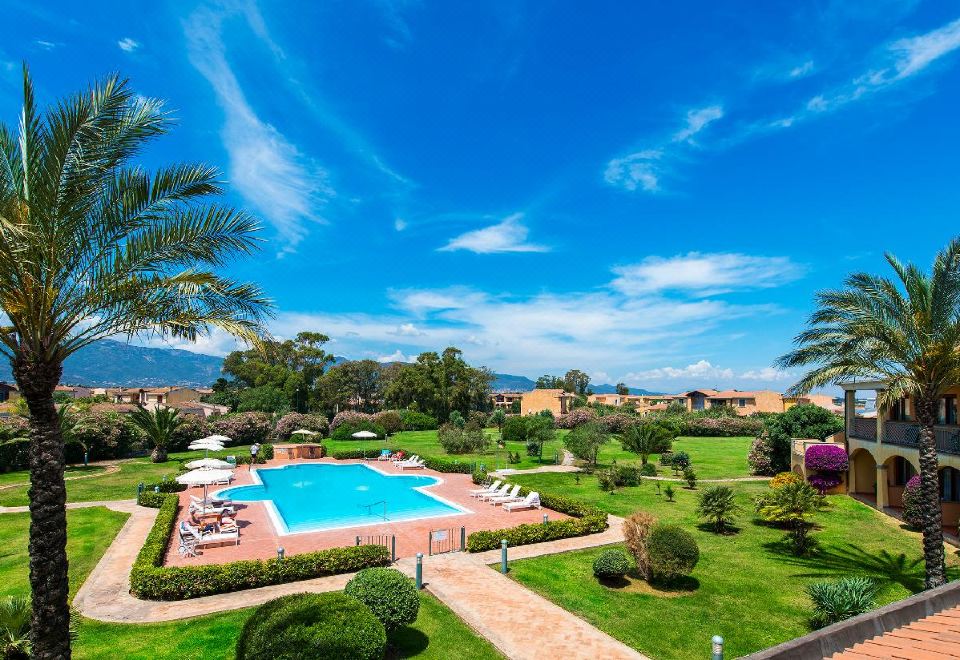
x: 259, y: 537
x: 935, y: 637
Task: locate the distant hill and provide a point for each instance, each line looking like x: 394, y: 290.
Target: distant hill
x: 110, y: 363
x: 511, y: 383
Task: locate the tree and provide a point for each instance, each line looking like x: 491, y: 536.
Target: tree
x: 622, y: 389
x: 906, y: 332
x: 158, y: 425
x: 792, y: 505
x: 585, y: 441
x: 717, y: 505
x: 802, y: 421
x: 540, y: 430
x: 646, y: 439
x: 439, y: 384
x: 576, y: 381
x: 515, y: 407
x: 265, y: 398
x: 93, y: 246
x: 497, y: 418
x: 548, y: 382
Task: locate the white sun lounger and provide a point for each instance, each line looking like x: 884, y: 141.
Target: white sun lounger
x: 192, y: 538
x: 504, y: 489
x: 399, y: 461
x: 219, y: 510
x: 413, y: 465
x: 531, y: 501
x: 503, y: 499
x: 492, y: 488
x: 211, y: 501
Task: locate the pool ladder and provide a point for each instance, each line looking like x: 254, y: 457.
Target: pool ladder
x: 370, y: 506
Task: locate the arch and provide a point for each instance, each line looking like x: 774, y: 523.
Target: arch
x: 899, y: 471
x: 863, y: 469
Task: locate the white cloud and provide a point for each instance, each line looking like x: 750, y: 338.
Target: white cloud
x: 802, y: 70
x: 705, y: 274
x: 284, y: 185
x: 914, y: 54
x: 698, y: 370
x: 399, y: 224
x: 768, y: 374
x: 509, y: 235
x: 45, y: 45
x: 397, y: 356
x: 697, y: 120
x: 409, y: 330
x: 128, y: 45
x: 642, y: 169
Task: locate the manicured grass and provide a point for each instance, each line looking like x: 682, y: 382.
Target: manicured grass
x: 425, y: 443
x: 712, y: 458
x: 438, y: 633
x: 747, y: 587
x: 89, y: 533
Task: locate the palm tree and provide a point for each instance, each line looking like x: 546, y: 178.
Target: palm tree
x: 905, y: 331
x: 158, y: 426
x: 93, y: 246
x: 646, y: 439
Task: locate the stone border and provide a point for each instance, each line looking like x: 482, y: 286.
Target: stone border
x: 840, y: 636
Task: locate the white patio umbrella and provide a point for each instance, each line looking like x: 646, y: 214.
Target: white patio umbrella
x: 209, y: 464
x: 206, y: 445
x: 304, y: 432
x: 215, y: 438
x: 364, y: 435
x: 204, y: 478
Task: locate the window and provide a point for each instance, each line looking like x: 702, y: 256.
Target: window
x: 742, y: 403
x: 902, y: 471
x: 900, y: 411
x: 947, y: 411
x: 950, y: 484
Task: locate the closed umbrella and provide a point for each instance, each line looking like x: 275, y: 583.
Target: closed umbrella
x: 204, y: 478
x: 209, y: 464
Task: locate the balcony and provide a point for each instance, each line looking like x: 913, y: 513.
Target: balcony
x: 907, y: 434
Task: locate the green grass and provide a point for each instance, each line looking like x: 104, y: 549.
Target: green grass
x: 89, y: 534
x: 438, y: 633
x: 712, y: 458
x: 747, y: 587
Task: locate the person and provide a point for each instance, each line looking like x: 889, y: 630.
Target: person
x: 254, y: 450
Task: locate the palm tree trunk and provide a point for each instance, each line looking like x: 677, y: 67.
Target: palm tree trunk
x: 158, y: 455
x: 930, y: 511
x: 50, y: 619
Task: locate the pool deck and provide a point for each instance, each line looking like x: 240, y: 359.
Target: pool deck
x: 259, y: 538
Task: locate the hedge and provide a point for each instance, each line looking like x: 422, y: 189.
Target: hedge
x: 353, y: 454
x: 585, y: 520
x: 150, y: 580
x: 434, y: 463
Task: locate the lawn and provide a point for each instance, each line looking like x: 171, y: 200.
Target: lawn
x: 747, y: 587
x: 437, y: 633
x: 712, y: 458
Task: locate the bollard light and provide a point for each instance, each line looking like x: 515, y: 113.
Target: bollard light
x: 156, y: 489
x: 503, y: 556
x: 140, y: 488
x: 717, y: 647
x: 86, y: 459
x: 419, y: 571
x: 280, y: 552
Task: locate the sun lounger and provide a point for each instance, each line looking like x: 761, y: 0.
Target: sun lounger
x: 504, y: 489
x: 489, y: 490
x: 398, y: 461
x: 211, y: 501
x: 503, y: 499
x: 531, y: 501
x: 200, y: 509
x: 200, y: 538
x: 412, y: 465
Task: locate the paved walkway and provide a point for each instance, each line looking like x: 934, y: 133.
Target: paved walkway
x: 935, y: 637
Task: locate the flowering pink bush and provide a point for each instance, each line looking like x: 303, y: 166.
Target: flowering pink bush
x: 911, y: 502
x: 291, y: 422
x: 350, y: 417
x: 243, y: 428
x: 825, y: 481
x: 760, y: 457
x: 722, y: 426
x: 575, y: 418
x: 827, y: 458
x: 615, y: 423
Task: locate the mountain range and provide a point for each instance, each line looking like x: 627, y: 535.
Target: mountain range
x: 110, y: 363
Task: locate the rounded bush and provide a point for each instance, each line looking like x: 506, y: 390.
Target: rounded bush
x: 611, y: 564
x: 784, y: 478
x: 672, y: 551
x: 308, y: 626
x: 648, y: 470
x: 913, y: 503
x: 388, y: 593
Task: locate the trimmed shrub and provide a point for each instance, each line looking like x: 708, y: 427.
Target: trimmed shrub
x: 648, y: 470
x: 243, y: 428
x: 636, y: 532
x: 721, y: 426
x: 585, y: 520
x: 417, y: 421
x: 672, y: 550
x: 784, y: 478
x: 825, y: 481
x: 390, y: 420
x: 291, y: 422
x: 840, y: 600
x: 353, y: 454
x: 912, y: 511
x: 310, y: 627
x: 150, y: 580
x: 389, y: 594
x: 447, y: 465
x: 611, y: 564
x: 760, y: 457
x: 150, y: 499
x: 826, y: 457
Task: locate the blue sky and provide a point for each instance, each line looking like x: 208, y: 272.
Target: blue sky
x: 651, y: 194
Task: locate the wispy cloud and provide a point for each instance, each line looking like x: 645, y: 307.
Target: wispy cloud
x: 399, y: 224
x: 705, y: 274
x: 128, y: 45
x: 45, y: 45
x: 697, y: 120
x: 801, y: 70
x: 767, y: 374
x: 701, y: 370
x: 509, y: 235
x: 283, y: 184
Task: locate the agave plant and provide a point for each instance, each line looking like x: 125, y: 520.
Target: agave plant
x: 15, y: 627
x: 845, y: 598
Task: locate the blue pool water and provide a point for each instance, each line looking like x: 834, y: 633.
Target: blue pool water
x: 315, y: 497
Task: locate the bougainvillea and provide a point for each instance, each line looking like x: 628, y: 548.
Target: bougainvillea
x: 826, y: 457
x: 824, y: 481
x: 911, y: 502
x: 575, y: 418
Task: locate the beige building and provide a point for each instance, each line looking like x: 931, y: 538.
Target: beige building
x: 607, y: 399
x: 884, y: 450
x: 505, y: 400
x: 747, y: 403
x: 153, y: 396
x: 556, y: 401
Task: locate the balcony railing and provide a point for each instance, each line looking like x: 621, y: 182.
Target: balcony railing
x: 907, y: 434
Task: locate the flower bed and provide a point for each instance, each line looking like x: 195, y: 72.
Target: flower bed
x: 150, y: 580
x: 585, y: 520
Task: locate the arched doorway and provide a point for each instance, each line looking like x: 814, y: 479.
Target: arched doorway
x: 863, y: 470
x: 949, y: 478
x: 899, y: 471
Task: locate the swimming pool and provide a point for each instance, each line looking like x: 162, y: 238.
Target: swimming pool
x: 324, y: 496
